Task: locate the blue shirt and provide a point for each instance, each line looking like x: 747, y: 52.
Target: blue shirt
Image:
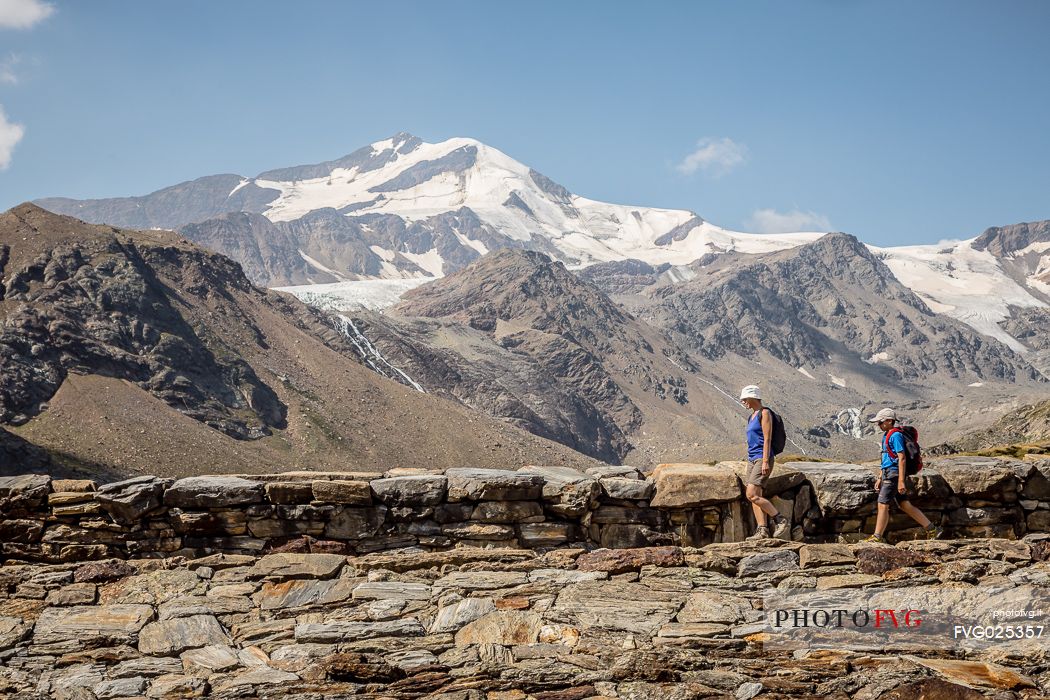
x: 890, y: 465
x: 755, y: 438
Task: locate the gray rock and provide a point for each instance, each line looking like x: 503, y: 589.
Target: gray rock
x: 172, y: 636
x: 146, y: 666
x: 508, y: 512
x: 452, y: 617
x: 841, y: 489
x: 333, y: 632
x: 355, y: 523
x: 214, y: 657
x: 87, y: 623
x: 746, y: 691
x: 120, y: 687
x: 391, y: 590
x: 544, y: 535
x: 283, y: 566
x: 492, y: 485
x: 127, y: 501
x: 416, y: 490
x: 627, y: 489
x: 213, y: 492
x: 767, y: 562
x: 601, y: 605
x: 568, y: 492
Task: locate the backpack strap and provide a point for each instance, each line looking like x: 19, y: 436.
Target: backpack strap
x: 886, y: 443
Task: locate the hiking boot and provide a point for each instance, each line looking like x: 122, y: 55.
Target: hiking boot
x: 934, y: 532
x: 761, y: 533
x: 782, y: 528
x: 877, y: 539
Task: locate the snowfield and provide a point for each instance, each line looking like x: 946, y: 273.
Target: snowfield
x: 430, y: 179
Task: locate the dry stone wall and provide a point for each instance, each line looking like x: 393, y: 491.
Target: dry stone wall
x: 540, y: 508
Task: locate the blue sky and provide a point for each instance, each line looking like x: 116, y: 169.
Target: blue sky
x: 899, y: 122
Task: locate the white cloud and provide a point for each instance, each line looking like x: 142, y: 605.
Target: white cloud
x: 773, y: 221
x: 23, y: 14
x: 10, y: 135
x: 714, y: 156
x: 8, y: 76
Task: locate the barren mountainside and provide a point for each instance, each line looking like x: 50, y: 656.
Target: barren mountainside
x: 124, y: 350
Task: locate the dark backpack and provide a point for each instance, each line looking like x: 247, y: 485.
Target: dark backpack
x: 779, y: 434
x: 911, y: 448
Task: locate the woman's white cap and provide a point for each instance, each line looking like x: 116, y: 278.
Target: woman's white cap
x: 750, y: 392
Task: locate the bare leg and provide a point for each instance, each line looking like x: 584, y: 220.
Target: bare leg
x: 760, y: 505
x: 882, y: 520
x: 916, y: 514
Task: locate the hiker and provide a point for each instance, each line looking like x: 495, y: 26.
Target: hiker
x: 760, y: 457
x: 892, y: 482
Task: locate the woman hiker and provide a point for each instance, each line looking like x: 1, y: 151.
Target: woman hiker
x: 759, y: 438
x: 892, y: 483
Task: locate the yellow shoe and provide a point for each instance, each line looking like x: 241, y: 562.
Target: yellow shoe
x: 877, y: 539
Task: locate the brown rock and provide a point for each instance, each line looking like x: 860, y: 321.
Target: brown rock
x: 618, y: 561
x: 814, y: 555
x: 347, y: 492
x: 976, y: 674
x: 692, y: 485
x: 361, y: 668
x: 932, y: 689
x: 289, y: 492
x: 879, y: 560
x: 100, y: 571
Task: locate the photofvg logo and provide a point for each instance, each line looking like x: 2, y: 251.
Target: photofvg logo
x: 908, y: 619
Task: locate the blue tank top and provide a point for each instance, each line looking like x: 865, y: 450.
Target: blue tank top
x: 755, y: 439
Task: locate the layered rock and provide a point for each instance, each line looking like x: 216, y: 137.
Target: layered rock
x: 535, y: 507
x: 499, y: 624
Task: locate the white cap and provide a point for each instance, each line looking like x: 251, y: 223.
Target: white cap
x: 884, y: 414
x: 750, y: 392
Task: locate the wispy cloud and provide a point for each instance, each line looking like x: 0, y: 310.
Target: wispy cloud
x: 8, y: 76
x: 23, y: 14
x: 716, y: 157
x: 773, y: 221
x: 10, y: 135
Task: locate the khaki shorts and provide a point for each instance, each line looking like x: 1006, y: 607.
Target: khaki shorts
x: 754, y: 472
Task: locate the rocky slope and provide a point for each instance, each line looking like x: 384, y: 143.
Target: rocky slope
x: 129, y: 350
x: 1029, y: 425
x: 518, y: 335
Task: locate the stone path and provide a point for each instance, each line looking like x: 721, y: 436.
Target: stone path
x: 491, y: 624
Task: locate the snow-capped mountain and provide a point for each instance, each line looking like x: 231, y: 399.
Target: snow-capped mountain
x: 401, y: 211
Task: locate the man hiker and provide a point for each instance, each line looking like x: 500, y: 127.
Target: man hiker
x: 759, y: 438
x: 892, y: 483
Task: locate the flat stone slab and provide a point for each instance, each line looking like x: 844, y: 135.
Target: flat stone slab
x: 811, y: 556
x: 172, y: 636
x: 618, y: 561
x: 308, y: 593
x: 348, y: 492
x: 715, y: 606
x: 391, y: 590
x: 89, y: 623
x: 197, y: 492
x: 492, y: 485
x: 417, y: 490
x: 768, y: 562
x: 601, y: 605
x: 285, y: 566
x: 694, y: 485
x: 333, y: 632
x: 451, y: 618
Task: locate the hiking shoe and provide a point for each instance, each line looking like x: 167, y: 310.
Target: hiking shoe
x: 782, y: 529
x: 877, y: 539
x: 934, y: 532
x: 762, y: 533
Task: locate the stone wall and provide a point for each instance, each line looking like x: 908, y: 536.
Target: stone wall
x: 45, y: 519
